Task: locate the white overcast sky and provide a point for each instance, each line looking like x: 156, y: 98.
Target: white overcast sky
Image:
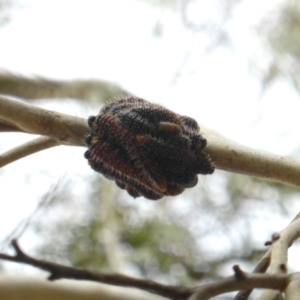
x: 113, y: 40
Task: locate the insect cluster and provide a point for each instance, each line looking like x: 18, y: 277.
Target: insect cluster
x: 147, y: 149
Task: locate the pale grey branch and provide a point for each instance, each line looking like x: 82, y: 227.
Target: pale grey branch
x: 33, y: 146
x: 279, y: 255
x: 264, y: 264
x: 249, y: 281
x: 227, y: 155
x: 70, y: 130
x: 233, y: 157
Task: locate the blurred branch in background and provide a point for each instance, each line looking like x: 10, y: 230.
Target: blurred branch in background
x: 160, y: 241
x: 31, y: 147
x: 36, y: 288
x: 92, y: 91
x: 276, y: 280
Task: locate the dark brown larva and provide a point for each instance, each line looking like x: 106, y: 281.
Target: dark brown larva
x: 147, y: 149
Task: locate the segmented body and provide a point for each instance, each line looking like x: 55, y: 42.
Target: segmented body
x: 147, y: 149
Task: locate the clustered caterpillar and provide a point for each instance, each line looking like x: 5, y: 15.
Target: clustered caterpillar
x: 146, y: 149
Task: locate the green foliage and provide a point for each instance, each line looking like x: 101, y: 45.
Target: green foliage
x: 180, y: 240
x: 151, y: 245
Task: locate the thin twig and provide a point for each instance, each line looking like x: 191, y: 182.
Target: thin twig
x: 240, y: 280
x: 33, y: 146
x: 58, y: 271
x: 261, y: 267
x: 40, y: 88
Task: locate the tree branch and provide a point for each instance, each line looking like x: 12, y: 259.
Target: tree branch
x: 261, y: 267
x: 233, y: 157
x: 58, y: 271
x: 16, y: 287
x: 33, y: 146
x: 226, y: 155
x: 279, y: 253
x: 6, y: 127
x: 70, y: 130
x: 264, y: 263
x: 240, y: 280
x: 39, y: 88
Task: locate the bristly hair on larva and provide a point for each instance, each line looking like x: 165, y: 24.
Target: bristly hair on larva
x: 146, y: 149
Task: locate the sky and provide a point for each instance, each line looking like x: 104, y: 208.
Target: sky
x: 115, y: 40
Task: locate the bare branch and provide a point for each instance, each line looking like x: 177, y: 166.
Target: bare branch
x: 233, y: 157
x: 292, y: 291
x: 261, y: 267
x: 240, y: 280
x: 39, y: 88
x: 6, y: 127
x: 36, y: 145
x: 264, y: 263
x: 279, y: 254
x: 58, y: 271
x: 16, y: 287
x: 70, y: 130
x: 226, y: 155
